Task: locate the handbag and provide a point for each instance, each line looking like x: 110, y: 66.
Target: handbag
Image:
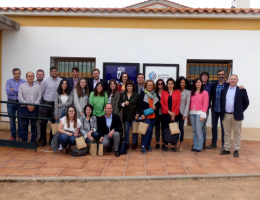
x: 75, y: 152
x: 135, y: 127
x: 148, y: 111
x: 169, y: 138
x: 174, y: 128
x: 80, y: 142
x: 100, y: 149
x: 122, y: 148
x: 93, y: 148
x: 142, y: 128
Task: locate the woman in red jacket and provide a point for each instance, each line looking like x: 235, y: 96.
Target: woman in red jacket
x: 170, y: 103
x: 199, y: 103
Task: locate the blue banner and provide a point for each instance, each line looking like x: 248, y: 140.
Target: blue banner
x: 115, y: 71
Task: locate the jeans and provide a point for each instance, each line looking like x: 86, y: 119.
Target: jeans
x: 129, y: 124
x: 197, y: 131
x: 204, y: 128
x: 158, y: 127
x: 64, y: 140
x: 181, y: 126
x: 25, y: 123
x: 95, y: 135
x: 147, y: 138
x: 215, y: 117
x: 11, y: 110
x: 63, y: 114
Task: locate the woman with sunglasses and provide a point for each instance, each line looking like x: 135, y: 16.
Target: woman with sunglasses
x: 128, y: 101
x: 113, y: 95
x: 123, y: 79
x: 68, y: 129
x: 184, y: 86
x: 98, y: 99
x: 160, y: 86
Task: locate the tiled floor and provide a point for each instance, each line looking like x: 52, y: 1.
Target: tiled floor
x: 45, y: 163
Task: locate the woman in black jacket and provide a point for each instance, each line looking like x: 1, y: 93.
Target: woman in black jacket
x: 148, y: 99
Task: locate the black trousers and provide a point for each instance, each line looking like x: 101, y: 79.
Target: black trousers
x: 166, y: 120
x: 46, y: 113
x: 159, y: 127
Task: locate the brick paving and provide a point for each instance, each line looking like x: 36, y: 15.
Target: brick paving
x: 45, y: 163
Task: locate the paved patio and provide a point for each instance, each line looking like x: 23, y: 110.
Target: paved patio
x: 45, y: 163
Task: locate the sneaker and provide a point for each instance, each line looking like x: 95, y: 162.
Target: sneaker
x: 173, y: 149
x: 165, y: 149
x: 143, y: 149
x: 149, y: 149
x: 12, y: 138
x: 157, y: 146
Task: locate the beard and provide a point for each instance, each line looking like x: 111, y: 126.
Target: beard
x: 38, y: 79
x: 54, y: 76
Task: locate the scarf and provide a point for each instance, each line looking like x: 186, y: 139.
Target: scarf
x: 151, y: 95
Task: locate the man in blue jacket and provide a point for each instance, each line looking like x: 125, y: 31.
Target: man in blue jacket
x: 233, y: 104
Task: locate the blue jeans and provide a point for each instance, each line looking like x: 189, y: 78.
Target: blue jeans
x: 129, y: 124
x: 147, y: 138
x: 215, y: 117
x: 204, y: 128
x: 64, y: 140
x: 25, y: 123
x: 11, y: 110
x: 95, y: 135
x: 63, y: 114
x: 197, y: 131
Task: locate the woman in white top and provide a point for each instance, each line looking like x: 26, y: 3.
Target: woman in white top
x: 81, y: 94
x: 62, y: 100
x: 69, y: 128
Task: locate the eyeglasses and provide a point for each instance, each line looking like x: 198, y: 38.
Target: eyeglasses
x: 159, y: 83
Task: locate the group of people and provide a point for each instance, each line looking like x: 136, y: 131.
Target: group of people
x: 96, y: 109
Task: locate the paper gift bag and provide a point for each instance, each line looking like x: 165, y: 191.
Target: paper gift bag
x: 142, y: 128
x: 93, y: 149
x: 100, y: 149
x: 174, y: 128
x: 54, y: 128
x: 80, y: 142
x: 135, y: 127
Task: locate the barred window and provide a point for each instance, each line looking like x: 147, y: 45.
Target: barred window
x: 65, y: 65
x: 196, y: 67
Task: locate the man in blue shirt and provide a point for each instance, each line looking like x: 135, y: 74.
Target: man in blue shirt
x: 11, y: 88
x: 204, y: 76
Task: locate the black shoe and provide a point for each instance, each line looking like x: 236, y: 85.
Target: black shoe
x: 117, y: 154
x: 157, y: 146
x: 127, y: 146
x: 165, y: 149
x: 198, y: 150
x: 212, y: 146
x: 193, y: 149
x: 224, y: 152
x: 236, y: 153
x: 173, y: 149
x: 42, y: 143
x: 163, y: 146
x: 204, y: 146
x: 109, y: 149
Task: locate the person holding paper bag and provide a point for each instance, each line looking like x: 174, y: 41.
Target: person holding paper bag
x: 170, y: 102
x: 69, y: 128
x: 199, y: 103
x: 148, y: 103
x: 89, y: 124
x: 128, y: 101
x: 110, y: 129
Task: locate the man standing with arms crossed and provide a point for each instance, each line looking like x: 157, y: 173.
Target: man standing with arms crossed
x: 48, y: 87
x: 12, y: 86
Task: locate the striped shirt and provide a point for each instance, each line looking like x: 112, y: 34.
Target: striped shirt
x: 11, y: 83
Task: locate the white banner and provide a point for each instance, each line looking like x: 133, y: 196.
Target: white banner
x: 160, y: 72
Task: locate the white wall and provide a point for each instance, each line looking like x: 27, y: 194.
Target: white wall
x: 30, y: 49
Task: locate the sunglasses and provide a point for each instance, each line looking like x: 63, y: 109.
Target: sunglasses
x: 159, y: 83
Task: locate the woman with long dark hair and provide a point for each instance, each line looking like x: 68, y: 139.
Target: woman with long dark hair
x: 62, y: 100
x: 170, y: 102
x: 98, y: 99
x: 68, y: 129
x: 123, y: 79
x: 81, y: 94
x: 199, y: 103
x: 160, y: 86
x: 113, y: 95
x: 184, y: 86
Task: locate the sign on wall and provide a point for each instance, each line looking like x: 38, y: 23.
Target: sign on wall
x: 114, y: 70
x: 160, y: 71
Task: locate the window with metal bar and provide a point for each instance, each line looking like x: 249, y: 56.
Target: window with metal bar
x: 65, y: 65
x: 196, y: 67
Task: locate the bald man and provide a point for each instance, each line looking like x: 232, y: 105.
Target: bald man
x: 233, y: 102
x: 29, y: 92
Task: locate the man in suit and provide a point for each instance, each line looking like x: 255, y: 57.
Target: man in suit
x: 233, y: 104
x: 140, y: 83
x: 93, y: 82
x: 110, y: 129
x: 72, y: 81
